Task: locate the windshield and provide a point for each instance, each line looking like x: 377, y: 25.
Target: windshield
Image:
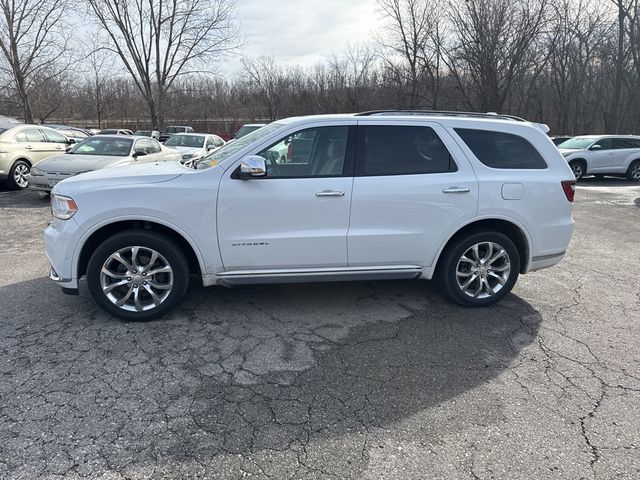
x: 114, y: 147
x: 175, y: 130
x: 577, y: 143
x: 143, y: 133
x: 192, y: 141
x: 246, y: 130
x: 230, y: 148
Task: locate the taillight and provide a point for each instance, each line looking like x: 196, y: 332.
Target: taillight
x: 569, y: 187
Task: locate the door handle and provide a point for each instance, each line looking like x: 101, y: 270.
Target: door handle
x: 329, y: 193
x: 456, y: 190
x: 28, y: 147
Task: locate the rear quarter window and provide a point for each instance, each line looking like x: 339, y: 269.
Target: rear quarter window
x: 502, y: 150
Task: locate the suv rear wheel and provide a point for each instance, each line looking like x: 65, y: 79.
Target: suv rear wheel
x: 633, y: 172
x: 138, y: 275
x: 480, y: 269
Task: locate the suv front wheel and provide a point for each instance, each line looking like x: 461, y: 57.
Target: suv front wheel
x: 480, y: 269
x: 138, y: 275
x: 578, y: 168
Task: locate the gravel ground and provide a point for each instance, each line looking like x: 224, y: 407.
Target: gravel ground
x: 371, y: 380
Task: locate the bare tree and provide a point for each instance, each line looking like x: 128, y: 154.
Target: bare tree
x: 414, y: 45
x: 495, y: 47
x: 352, y: 74
x: 267, y: 82
x: 32, y: 44
x: 98, y: 67
x: 578, y: 29
x: 160, y: 41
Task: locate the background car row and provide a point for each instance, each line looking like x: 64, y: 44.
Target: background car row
x: 617, y: 155
x: 60, y: 151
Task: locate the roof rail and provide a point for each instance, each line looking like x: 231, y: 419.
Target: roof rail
x: 492, y: 115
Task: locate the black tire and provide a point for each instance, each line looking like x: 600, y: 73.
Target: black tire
x: 578, y: 168
x: 18, y: 169
x: 633, y: 172
x: 169, y: 253
x: 448, y: 268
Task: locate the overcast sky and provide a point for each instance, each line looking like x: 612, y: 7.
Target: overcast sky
x: 304, y: 31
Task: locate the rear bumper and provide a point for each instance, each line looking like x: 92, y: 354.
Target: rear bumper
x: 546, y: 261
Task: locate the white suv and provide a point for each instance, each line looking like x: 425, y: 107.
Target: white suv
x: 603, y: 155
x: 472, y: 199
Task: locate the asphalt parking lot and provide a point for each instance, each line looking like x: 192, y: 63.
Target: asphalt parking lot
x: 375, y: 380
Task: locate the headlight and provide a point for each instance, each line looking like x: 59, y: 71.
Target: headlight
x: 63, y: 207
x: 36, y: 172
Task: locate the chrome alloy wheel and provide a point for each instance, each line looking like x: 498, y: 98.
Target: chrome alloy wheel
x: 577, y: 169
x: 20, y: 175
x: 635, y: 172
x: 136, y: 279
x: 483, y: 270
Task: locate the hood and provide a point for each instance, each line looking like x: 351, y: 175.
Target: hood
x: 77, y: 163
x: 134, y: 174
x: 185, y: 150
x: 567, y: 151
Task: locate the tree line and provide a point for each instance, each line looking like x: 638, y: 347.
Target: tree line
x: 573, y: 64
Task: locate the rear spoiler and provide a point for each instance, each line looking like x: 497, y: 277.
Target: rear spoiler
x: 541, y: 126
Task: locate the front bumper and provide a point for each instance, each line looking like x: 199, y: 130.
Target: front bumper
x: 45, y: 183
x: 59, y: 247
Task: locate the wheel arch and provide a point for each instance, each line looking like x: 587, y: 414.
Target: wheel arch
x: 516, y: 232
x: 633, y: 160
x: 24, y: 159
x: 582, y: 160
x: 97, y: 236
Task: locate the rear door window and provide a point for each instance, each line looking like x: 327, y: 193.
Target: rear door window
x: 501, y: 150
x: 402, y: 150
x: 30, y: 135
x: 153, y: 146
x: 55, y: 137
x: 623, y: 143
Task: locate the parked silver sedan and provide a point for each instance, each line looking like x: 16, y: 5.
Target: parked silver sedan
x: 194, y: 146
x: 98, y: 152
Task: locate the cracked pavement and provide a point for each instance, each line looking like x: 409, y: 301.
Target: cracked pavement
x: 371, y: 380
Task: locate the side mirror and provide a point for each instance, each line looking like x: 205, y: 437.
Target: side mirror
x: 596, y: 147
x: 71, y: 141
x: 139, y: 153
x: 210, y: 148
x: 253, y: 166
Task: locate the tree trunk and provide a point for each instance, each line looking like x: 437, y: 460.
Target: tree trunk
x: 24, y: 98
x: 612, y: 122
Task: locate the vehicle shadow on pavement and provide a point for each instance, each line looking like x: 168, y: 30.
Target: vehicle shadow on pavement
x: 607, y: 182
x: 23, y: 198
x: 304, y: 375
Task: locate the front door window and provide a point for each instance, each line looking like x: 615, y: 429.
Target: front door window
x: 314, y: 152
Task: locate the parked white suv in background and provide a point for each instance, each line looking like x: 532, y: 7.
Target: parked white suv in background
x: 603, y: 155
x: 472, y: 199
